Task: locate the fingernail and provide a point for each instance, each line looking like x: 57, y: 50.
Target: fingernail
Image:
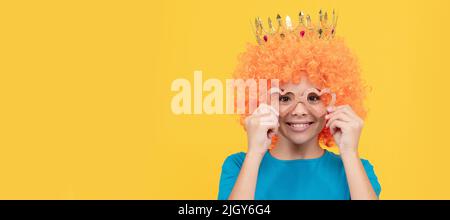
x: 329, y: 108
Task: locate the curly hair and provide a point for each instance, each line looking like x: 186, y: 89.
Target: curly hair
x: 327, y: 63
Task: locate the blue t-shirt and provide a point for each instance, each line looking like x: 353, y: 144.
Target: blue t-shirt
x: 318, y: 178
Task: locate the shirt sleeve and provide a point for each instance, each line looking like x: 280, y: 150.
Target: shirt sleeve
x: 372, y: 176
x: 230, y: 171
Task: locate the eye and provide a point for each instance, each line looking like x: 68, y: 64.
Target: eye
x: 284, y: 99
x: 313, y: 98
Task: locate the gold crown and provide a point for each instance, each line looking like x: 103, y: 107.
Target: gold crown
x: 304, y: 29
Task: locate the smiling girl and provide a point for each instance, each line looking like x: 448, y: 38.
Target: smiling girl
x: 285, y: 158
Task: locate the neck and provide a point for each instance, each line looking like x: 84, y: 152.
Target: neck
x: 287, y: 150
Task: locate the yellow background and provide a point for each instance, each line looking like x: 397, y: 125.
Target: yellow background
x: 85, y: 94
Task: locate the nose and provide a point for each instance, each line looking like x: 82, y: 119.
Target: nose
x: 299, y: 109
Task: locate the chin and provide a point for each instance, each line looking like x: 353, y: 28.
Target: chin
x: 301, y: 132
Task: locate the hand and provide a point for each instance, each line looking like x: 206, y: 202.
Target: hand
x: 261, y: 126
x: 345, y: 126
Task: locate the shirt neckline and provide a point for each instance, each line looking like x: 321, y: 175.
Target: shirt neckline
x: 271, y: 157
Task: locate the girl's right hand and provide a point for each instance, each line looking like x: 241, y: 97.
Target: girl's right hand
x: 261, y: 126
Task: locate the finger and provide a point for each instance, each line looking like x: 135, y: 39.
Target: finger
x: 331, y: 109
x: 335, y: 108
x: 347, y: 108
x: 271, y: 109
x: 271, y: 117
x: 264, y: 108
x: 274, y: 110
x: 336, y: 126
x: 272, y: 132
x: 255, y: 118
x: 261, y: 109
x: 261, y: 115
x: 275, y: 90
x: 268, y: 126
x: 271, y: 129
x: 339, y: 116
x: 268, y: 123
x: 338, y: 111
x: 275, y: 98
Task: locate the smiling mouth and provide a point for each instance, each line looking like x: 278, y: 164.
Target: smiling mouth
x: 299, y: 127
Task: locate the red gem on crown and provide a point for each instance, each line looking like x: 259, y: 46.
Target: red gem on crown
x: 302, y: 33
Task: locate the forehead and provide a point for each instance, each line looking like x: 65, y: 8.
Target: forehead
x: 299, y: 87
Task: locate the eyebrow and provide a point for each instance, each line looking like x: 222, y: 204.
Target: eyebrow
x: 282, y: 90
x: 287, y: 93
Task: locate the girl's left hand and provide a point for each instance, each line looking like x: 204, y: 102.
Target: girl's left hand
x: 345, y: 126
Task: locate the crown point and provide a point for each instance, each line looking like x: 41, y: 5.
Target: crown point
x: 308, y: 20
x: 288, y: 23
x: 271, y: 29
x: 301, y: 16
x: 279, y: 21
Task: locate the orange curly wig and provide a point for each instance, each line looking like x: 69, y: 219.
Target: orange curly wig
x: 327, y: 63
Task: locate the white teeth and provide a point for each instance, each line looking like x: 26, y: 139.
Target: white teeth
x: 300, y: 125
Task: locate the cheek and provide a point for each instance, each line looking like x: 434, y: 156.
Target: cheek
x: 320, y: 123
x: 283, y: 111
x: 319, y: 112
x: 283, y: 126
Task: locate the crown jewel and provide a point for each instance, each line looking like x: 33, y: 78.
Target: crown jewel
x: 324, y: 29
